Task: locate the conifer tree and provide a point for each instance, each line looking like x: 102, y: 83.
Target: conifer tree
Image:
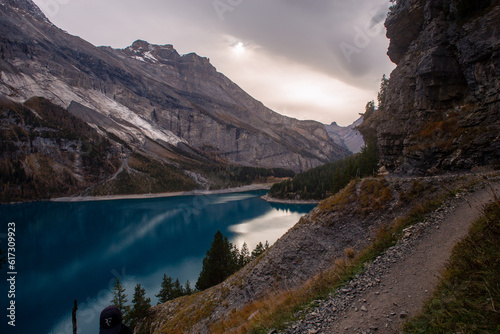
x: 166, y: 292
x: 382, y: 95
x: 219, y: 263
x: 120, y: 298
x: 244, y: 256
x: 140, y: 306
x: 188, y: 290
x: 177, y: 290
x: 259, y: 249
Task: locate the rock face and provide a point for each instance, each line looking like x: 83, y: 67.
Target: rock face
x: 442, y: 111
x: 150, y: 92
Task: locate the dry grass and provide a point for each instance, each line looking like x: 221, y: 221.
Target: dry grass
x: 340, y: 200
x: 468, y: 297
x: 350, y: 253
x: 276, y: 310
x: 364, y: 195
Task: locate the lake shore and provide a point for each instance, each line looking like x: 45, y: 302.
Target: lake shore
x: 251, y: 187
x: 288, y: 201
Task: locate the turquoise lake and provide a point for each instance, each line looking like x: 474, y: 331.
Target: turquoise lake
x: 67, y: 251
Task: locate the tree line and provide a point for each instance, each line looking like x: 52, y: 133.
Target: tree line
x: 221, y: 261
x: 324, y: 181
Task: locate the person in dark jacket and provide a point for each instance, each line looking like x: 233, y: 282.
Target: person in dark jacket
x: 111, y: 322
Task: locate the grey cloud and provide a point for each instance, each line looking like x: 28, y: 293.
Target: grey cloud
x: 338, y: 38
x: 316, y: 33
x: 331, y: 36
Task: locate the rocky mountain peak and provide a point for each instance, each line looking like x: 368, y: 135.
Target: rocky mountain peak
x: 25, y: 7
x: 151, y: 99
x: 150, y: 53
x: 165, y: 55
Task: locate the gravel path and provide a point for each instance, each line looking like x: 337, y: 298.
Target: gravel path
x: 395, y: 286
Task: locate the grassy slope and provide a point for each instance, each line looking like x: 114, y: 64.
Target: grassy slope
x: 421, y: 197
x: 467, y: 299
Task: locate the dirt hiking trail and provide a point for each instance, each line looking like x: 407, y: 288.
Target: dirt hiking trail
x: 395, y: 286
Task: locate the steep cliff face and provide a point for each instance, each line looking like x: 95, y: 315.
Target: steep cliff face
x: 152, y: 92
x: 442, y: 111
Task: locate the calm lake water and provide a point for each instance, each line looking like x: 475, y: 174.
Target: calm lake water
x: 67, y: 251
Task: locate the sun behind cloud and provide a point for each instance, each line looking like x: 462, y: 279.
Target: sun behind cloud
x: 238, y: 48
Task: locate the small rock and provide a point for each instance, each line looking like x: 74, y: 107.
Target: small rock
x: 364, y: 309
x: 403, y: 315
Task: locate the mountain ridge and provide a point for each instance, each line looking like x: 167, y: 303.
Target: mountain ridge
x: 347, y: 136
x: 149, y: 93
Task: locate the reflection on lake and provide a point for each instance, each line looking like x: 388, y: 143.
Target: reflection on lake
x: 68, y: 251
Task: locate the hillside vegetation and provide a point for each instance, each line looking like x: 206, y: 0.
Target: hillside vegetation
x: 468, y: 296
x: 331, y: 244
x: 46, y: 152
x: 320, y: 182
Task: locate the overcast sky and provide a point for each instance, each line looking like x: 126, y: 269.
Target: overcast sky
x: 309, y: 59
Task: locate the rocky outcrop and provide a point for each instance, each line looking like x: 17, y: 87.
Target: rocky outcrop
x: 442, y: 108
x: 180, y: 101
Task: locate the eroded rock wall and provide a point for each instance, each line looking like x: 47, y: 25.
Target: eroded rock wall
x: 442, y: 111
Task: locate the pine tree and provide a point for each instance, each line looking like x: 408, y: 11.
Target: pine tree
x: 369, y: 109
x: 382, y: 95
x: 219, y: 263
x: 244, y: 257
x: 188, y: 290
x: 140, y: 307
x: 120, y: 298
x: 177, y: 290
x: 166, y: 292
x: 260, y: 249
